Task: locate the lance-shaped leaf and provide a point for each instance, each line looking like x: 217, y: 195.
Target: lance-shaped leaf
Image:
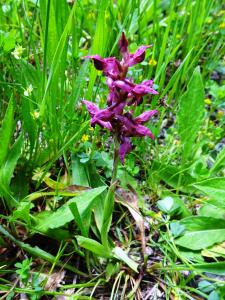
x: 191, y: 112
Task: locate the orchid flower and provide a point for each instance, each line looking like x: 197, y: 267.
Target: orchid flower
x: 123, y: 92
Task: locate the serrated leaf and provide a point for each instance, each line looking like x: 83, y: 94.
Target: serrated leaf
x: 191, y: 112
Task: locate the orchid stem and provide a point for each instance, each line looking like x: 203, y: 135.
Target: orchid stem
x: 115, y: 160
x: 109, y: 201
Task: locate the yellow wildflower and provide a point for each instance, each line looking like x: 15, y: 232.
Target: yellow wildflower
x: 152, y: 62
x: 220, y: 113
x: 220, y: 13
x: 84, y: 138
x: 35, y: 114
x: 222, y: 25
x: 208, y: 101
x: 102, y: 101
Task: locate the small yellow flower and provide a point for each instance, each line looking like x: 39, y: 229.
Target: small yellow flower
x: 18, y: 51
x: 84, y: 138
x: 178, y: 36
x: 208, y: 101
x: 222, y: 25
x: 30, y: 14
x: 102, y: 101
x: 28, y: 90
x: 35, y: 114
x: 220, y: 13
x: 220, y: 114
x: 152, y: 62
x: 211, y: 145
x: 209, y: 20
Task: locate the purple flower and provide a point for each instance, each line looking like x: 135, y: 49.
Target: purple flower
x: 122, y: 92
x: 110, y: 66
x: 125, y: 147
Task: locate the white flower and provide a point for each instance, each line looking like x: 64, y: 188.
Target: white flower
x: 28, y: 90
x: 18, y: 51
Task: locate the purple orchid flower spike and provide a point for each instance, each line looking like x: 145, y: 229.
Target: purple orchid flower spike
x: 123, y: 92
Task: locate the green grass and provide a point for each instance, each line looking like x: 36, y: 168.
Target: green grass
x: 58, y: 212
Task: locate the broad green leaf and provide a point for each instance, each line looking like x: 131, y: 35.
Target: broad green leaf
x: 82, y: 223
x: 213, y: 187
x: 178, y: 207
x: 63, y: 215
x: 6, y: 132
x: 217, y: 268
x: 173, y: 176
x: 121, y: 255
x: 215, y: 251
x: 213, y: 211
x: 201, y: 232
x: 206, y: 286
x: 93, y: 246
x: 214, y: 295
x: 191, y: 112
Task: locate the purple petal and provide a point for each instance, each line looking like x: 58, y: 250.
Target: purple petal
x: 103, y: 115
x: 145, y: 116
x: 125, y: 147
x: 148, y: 83
x: 123, y: 44
x: 98, y: 61
x: 138, y: 56
x: 112, y: 67
x: 110, y: 82
x: 91, y: 107
x: 117, y: 108
x: 143, y: 131
x: 126, y: 86
x: 141, y: 89
x: 127, y: 123
x: 103, y: 124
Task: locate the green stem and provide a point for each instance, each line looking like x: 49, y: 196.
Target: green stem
x: 115, y: 161
x: 109, y: 201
